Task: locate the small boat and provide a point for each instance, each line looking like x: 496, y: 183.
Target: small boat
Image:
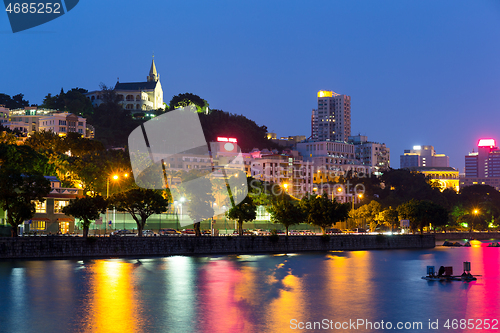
x: 493, y: 244
x: 446, y: 274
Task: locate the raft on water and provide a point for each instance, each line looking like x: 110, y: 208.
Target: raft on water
x: 446, y: 274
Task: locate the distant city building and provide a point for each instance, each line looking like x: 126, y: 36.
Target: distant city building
x: 286, y: 141
x: 136, y: 96
x: 373, y: 154
x: 331, y: 121
x: 31, y: 119
x: 423, y: 156
x: 330, y: 159
x: 483, y: 167
x: 4, y: 115
x: 444, y: 177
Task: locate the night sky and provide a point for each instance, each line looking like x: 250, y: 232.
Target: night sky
x: 418, y: 72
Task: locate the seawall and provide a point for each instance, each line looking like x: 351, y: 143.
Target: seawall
x: 466, y: 235
x: 77, y: 247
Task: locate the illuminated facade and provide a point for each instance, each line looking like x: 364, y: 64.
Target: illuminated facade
x: 423, y: 156
x: 30, y: 120
x: 331, y: 121
x: 136, y: 96
x: 483, y: 167
x: 443, y: 177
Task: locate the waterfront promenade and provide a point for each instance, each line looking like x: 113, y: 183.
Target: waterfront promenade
x: 77, y: 247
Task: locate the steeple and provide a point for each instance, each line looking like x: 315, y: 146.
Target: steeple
x: 153, y: 75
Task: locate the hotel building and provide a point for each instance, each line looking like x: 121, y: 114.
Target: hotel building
x: 483, y: 166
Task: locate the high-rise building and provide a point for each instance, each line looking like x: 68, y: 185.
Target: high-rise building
x: 423, y: 156
x: 331, y: 121
x: 483, y: 167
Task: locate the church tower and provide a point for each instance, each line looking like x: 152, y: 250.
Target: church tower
x: 153, y: 75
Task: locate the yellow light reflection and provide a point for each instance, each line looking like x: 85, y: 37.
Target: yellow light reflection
x: 112, y: 305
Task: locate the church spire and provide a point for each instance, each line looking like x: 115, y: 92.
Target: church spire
x: 153, y: 75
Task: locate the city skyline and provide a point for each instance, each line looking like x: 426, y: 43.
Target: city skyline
x: 416, y: 76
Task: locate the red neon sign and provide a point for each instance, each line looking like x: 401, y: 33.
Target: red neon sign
x: 224, y: 139
x: 486, y: 143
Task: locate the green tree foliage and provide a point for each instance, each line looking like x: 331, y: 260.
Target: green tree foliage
x: 112, y: 122
x: 323, y: 212
x: 140, y: 204
x: 285, y: 210
x: 183, y: 100
x: 74, y: 101
x: 483, y: 198
x: 367, y: 213
x: 92, y: 171
x: 243, y: 212
x: 389, y: 217
x: 422, y: 213
x: 14, y: 102
x: 401, y: 185
x: 87, y: 209
x: 7, y: 138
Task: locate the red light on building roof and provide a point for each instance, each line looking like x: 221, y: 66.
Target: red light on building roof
x: 224, y: 139
x: 486, y: 143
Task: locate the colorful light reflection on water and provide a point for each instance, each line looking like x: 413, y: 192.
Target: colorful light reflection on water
x: 260, y: 293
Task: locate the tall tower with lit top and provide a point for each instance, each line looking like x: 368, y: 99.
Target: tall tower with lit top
x: 331, y: 121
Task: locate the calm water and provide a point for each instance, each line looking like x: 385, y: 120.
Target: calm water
x: 254, y: 293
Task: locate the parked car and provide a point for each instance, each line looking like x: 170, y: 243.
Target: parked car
x: 148, y: 233
x: 123, y: 233
x: 333, y: 231
x: 359, y: 230
x: 187, y: 232
x: 169, y: 231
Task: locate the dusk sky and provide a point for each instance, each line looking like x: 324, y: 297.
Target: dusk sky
x: 418, y: 72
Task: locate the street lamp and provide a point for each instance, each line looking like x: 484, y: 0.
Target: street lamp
x: 115, y: 177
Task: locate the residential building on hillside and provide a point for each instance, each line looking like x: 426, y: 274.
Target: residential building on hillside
x: 136, y: 96
x: 423, y: 156
x: 373, y: 154
x: 331, y: 121
x: 31, y: 119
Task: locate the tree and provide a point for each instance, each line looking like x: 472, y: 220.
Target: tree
x: 285, y: 211
x: 390, y: 217
x: 422, y: 213
x: 16, y: 102
x: 323, y: 212
x: 87, y: 209
x: 199, y: 193
x: 367, y: 213
x: 18, y: 191
x: 183, y: 100
x: 481, y: 203
x: 140, y: 204
x: 243, y: 212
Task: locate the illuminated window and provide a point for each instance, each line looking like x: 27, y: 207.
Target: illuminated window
x: 37, y: 225
x: 59, y: 205
x: 40, y: 207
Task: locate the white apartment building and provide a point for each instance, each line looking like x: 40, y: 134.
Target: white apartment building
x: 30, y: 120
x: 331, y: 121
x: 372, y: 154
